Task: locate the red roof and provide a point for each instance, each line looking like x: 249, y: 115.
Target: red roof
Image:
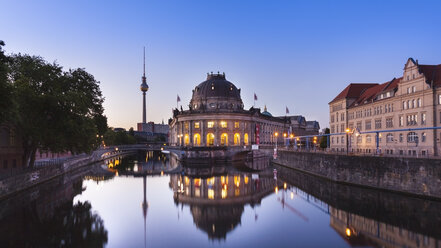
x: 353, y: 91
x: 431, y: 72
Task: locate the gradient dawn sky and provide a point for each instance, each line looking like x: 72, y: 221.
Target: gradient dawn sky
x: 298, y: 54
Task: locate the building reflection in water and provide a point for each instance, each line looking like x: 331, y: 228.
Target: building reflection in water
x: 370, y: 218
x: 217, y: 202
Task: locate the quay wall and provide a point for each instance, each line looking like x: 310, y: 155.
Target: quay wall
x: 26, y: 179
x: 417, y: 176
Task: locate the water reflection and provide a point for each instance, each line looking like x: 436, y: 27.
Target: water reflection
x: 217, y: 202
x: 371, y: 218
x: 213, y: 204
x: 46, y: 216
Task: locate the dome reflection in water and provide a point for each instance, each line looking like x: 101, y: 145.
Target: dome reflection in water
x: 150, y: 199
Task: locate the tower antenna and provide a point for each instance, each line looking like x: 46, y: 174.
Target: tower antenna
x: 144, y: 61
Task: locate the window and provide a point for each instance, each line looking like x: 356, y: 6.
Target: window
x: 186, y: 139
x: 412, y: 119
x: 414, y: 105
x: 197, y: 140
x: 412, y: 137
x: 389, y: 138
x: 223, y: 124
x: 224, y: 139
x: 342, y: 128
x: 342, y: 116
x: 409, y: 104
x: 419, y: 102
x: 413, y: 89
x: 359, y: 139
x: 332, y: 140
x: 332, y: 118
x: 405, y: 104
x: 196, y: 125
x: 389, y: 122
x: 332, y: 129
x: 401, y: 138
x: 367, y: 125
x: 236, y: 124
x: 423, y: 137
x: 210, y: 139
x: 378, y: 124
x: 388, y: 94
x: 236, y: 139
x: 186, y: 125
x: 439, y: 99
x: 423, y: 118
x: 245, y: 139
x: 368, y: 139
x: 342, y: 139
x: 210, y: 124
x: 401, y: 120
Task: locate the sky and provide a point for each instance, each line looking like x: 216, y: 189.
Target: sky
x: 295, y: 54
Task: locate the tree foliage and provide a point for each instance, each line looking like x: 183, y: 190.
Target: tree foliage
x: 54, y: 110
x: 5, y: 89
x: 324, y: 139
x: 112, y: 138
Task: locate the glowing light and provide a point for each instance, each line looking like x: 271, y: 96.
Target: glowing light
x: 284, y: 185
x: 223, y: 124
x: 237, y: 181
x: 116, y: 148
x: 348, y: 232
x: 162, y: 173
x: 284, y: 135
x: 276, y: 189
x: 245, y: 179
x: 197, y: 182
x: 224, y: 193
x: 210, y: 181
x: 187, y: 180
x: 276, y: 134
x: 292, y: 195
x: 291, y: 136
x: 347, y: 130
x: 210, y: 194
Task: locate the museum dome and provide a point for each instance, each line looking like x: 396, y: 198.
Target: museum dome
x: 216, y: 93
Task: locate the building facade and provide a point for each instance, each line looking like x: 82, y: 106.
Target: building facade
x: 216, y: 117
x: 408, y: 102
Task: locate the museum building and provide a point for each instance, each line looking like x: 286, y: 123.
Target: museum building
x: 216, y: 117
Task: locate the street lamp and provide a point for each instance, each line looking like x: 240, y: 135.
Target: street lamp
x: 277, y: 135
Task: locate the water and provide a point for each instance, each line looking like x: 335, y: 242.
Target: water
x: 210, y: 207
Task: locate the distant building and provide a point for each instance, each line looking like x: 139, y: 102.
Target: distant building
x: 410, y: 101
x: 216, y: 117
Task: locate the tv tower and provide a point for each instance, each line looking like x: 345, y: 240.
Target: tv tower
x: 144, y: 88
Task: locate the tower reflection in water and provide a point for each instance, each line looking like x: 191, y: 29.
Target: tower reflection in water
x: 217, y: 202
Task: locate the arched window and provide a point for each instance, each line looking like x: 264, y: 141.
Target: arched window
x: 236, y: 139
x: 409, y: 104
x: 419, y: 102
x: 423, y: 137
x: 245, y: 139
x: 389, y: 138
x: 197, y: 140
x: 210, y: 139
x: 414, y: 105
x: 359, y: 139
x: 224, y: 139
x: 368, y: 139
x: 412, y: 137
x: 186, y: 139
x: 404, y: 105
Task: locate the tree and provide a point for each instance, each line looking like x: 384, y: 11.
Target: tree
x: 5, y: 89
x: 54, y: 110
x: 324, y: 139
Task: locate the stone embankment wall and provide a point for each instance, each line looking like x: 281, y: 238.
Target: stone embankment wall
x: 417, y: 176
x: 26, y: 179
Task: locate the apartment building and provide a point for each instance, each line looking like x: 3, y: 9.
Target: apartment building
x: 407, y: 102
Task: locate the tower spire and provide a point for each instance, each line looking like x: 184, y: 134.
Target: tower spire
x: 144, y: 62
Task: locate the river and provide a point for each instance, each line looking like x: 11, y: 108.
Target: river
x: 116, y: 204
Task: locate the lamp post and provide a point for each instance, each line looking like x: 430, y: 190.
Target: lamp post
x: 347, y: 140
x: 277, y: 135
x: 284, y: 138
x: 292, y: 137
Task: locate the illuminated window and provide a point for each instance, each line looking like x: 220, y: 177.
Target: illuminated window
x: 210, y: 181
x: 197, y: 140
x: 236, y: 124
x: 237, y: 181
x: 210, y: 139
x: 196, y: 125
x: 186, y: 125
x: 224, y: 139
x: 210, y: 194
x: 210, y: 124
x: 186, y: 139
x: 245, y: 179
x: 236, y: 139
x: 245, y: 139
x: 223, y: 124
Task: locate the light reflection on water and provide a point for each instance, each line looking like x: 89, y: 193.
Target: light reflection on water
x: 214, y: 207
